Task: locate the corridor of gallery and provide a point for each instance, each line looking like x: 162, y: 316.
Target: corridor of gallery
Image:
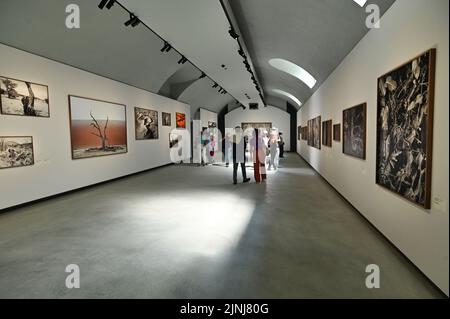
x: 184, y: 231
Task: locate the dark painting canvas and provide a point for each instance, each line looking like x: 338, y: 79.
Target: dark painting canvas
x: 97, y: 128
x: 337, y: 132
x: 314, y: 129
x: 354, y: 131
x: 404, y: 129
x: 146, y: 124
x: 299, y: 133
x: 166, y: 119
x: 327, y: 133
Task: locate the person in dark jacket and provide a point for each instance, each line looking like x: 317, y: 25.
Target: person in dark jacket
x: 239, y: 146
x: 281, y: 145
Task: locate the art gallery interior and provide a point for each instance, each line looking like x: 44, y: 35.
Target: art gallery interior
x: 102, y: 157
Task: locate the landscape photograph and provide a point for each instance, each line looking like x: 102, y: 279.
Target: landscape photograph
x: 16, y: 151
x: 97, y: 128
x: 23, y: 98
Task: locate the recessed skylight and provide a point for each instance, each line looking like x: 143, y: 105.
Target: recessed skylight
x: 294, y: 70
x: 361, y: 3
x: 288, y: 95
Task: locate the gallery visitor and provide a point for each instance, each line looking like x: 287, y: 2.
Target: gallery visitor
x: 239, y: 147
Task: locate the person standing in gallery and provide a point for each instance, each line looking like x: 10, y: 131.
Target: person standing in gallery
x: 274, y: 150
x: 281, y: 145
x: 259, y: 156
x: 239, y: 146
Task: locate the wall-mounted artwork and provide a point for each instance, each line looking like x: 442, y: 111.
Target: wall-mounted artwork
x: 16, y: 151
x: 181, y: 120
x: 166, y: 119
x: 299, y: 133
x: 327, y: 133
x: 174, y: 139
x: 405, y: 129
x: 212, y: 124
x: 260, y: 125
x: 314, y: 128
x: 146, y: 124
x: 23, y: 98
x: 97, y: 128
x: 305, y: 133
x: 354, y: 131
x: 337, y: 132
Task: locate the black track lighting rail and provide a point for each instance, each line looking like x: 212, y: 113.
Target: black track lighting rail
x: 167, y: 47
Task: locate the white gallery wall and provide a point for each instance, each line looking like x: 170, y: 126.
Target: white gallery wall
x: 54, y: 170
x: 279, y: 119
x: 207, y: 116
x: 409, y: 28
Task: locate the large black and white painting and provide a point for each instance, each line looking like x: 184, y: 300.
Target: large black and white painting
x: 404, y: 129
x: 23, y: 98
x: 354, y: 131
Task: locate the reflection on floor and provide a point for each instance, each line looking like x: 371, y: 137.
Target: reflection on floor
x: 188, y: 232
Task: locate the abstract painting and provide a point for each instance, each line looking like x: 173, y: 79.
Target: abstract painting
x: 166, y: 119
x: 354, y: 131
x: 23, y: 98
x: 326, y: 133
x: 181, y: 120
x: 337, y: 132
x: 146, y: 124
x: 405, y: 128
x: 97, y: 128
x: 305, y: 133
x: 16, y: 151
x: 314, y: 128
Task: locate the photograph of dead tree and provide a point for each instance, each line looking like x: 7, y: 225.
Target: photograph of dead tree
x: 23, y: 98
x: 354, y: 131
x: 16, y: 151
x: 405, y: 127
x: 97, y: 128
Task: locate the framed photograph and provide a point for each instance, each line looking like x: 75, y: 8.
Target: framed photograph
x: 97, y: 128
x: 405, y: 106
x: 16, y: 151
x: 299, y: 133
x: 354, y: 131
x: 23, y: 98
x: 166, y: 119
x: 337, y: 132
x: 145, y: 124
x: 181, y: 120
x: 314, y: 128
x: 212, y: 124
x: 174, y: 139
x: 327, y: 133
x: 257, y: 125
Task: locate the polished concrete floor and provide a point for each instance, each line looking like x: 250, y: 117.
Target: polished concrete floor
x: 188, y: 232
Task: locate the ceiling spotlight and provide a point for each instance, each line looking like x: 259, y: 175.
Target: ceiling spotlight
x: 108, y: 3
x: 243, y: 106
x: 233, y: 33
x: 182, y: 60
x: 241, y: 53
x: 167, y: 47
x: 133, y: 21
x: 220, y: 90
x: 215, y: 85
x: 224, y: 92
x: 102, y: 4
x: 202, y: 75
